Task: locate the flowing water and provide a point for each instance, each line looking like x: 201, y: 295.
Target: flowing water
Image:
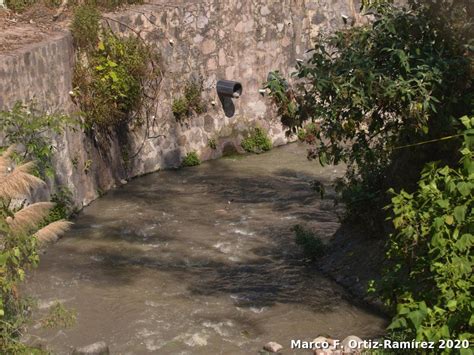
x: 199, y: 261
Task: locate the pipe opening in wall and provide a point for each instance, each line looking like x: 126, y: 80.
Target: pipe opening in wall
x: 229, y: 88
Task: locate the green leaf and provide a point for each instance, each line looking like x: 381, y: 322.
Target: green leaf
x: 465, y: 242
x: 3, y: 258
x: 464, y: 188
x: 460, y: 213
x: 416, y: 317
x: 466, y: 121
x: 323, y: 159
x: 114, y: 76
x: 452, y: 305
x: 449, y: 219
x: 443, y: 203
x: 397, y: 324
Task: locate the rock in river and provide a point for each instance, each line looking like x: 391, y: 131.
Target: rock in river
x: 272, y: 347
x: 99, y: 348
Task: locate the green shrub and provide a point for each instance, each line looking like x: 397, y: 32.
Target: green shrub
x: 59, y: 316
x: 180, y: 108
x: 191, y: 159
x: 312, y: 246
x: 192, y: 93
x: 85, y: 26
x: 191, y: 102
x: 27, y: 127
x: 110, y: 85
x: 376, y: 87
x: 19, y: 5
x: 111, y: 4
x: 428, y: 282
x: 308, y: 133
x: 257, y: 141
x: 211, y: 143
x: 107, y: 5
x: 63, y: 206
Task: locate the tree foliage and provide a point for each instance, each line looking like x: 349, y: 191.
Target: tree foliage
x: 385, y: 98
x: 429, y: 280
x: 404, y: 78
x: 30, y: 130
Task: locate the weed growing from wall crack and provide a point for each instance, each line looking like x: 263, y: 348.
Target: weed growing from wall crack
x: 190, y: 103
x: 257, y: 141
x: 191, y: 159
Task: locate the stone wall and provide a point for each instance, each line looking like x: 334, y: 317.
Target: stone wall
x: 207, y: 39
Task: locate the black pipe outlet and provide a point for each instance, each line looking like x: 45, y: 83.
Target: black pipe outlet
x: 229, y: 88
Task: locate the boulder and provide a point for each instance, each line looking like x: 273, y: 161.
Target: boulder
x: 272, y: 347
x: 99, y: 348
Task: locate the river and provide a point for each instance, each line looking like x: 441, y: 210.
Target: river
x: 199, y: 260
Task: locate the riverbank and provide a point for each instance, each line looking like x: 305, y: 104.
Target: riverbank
x: 353, y: 259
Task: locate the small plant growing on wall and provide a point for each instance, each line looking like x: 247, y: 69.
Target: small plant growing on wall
x: 191, y: 159
x: 180, y: 108
x: 257, y: 141
x: 116, y: 78
x: 110, y: 85
x: 190, y: 103
x: 211, y: 143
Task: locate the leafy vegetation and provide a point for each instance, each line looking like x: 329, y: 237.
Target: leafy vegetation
x: 191, y: 159
x: 257, y: 141
x: 111, y: 84
x: 27, y: 128
x: 374, y: 88
x: 19, y: 239
x: 85, y: 26
x: 180, y: 108
x: 191, y: 102
x: 19, y: 5
x: 429, y: 279
x: 385, y: 98
x: 63, y: 206
x: 312, y: 246
x: 59, y: 316
x: 106, y: 5
x: 211, y: 143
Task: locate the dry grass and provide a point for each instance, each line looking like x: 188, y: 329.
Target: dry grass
x: 19, y: 181
x: 30, y: 216
x: 52, y: 231
x: 5, y: 161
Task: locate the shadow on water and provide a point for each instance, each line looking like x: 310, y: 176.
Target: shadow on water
x: 207, y: 244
